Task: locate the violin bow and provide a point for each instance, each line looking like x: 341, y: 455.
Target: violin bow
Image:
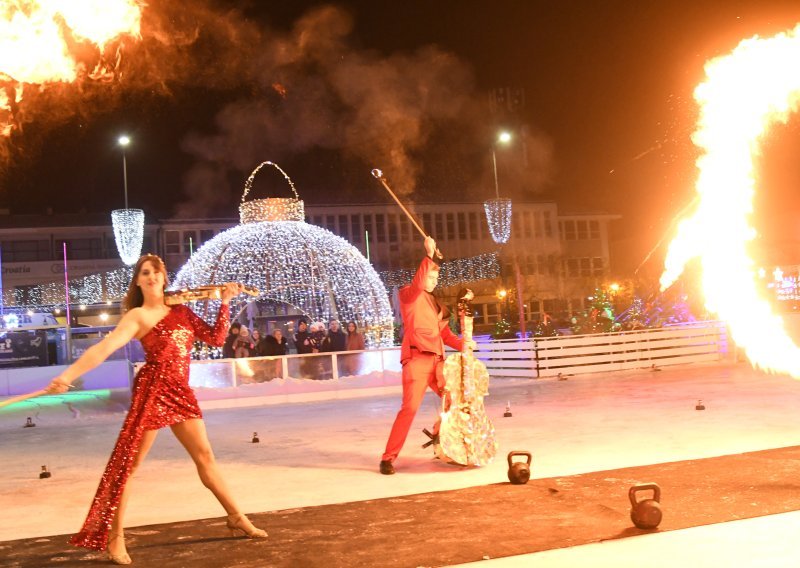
x: 378, y: 174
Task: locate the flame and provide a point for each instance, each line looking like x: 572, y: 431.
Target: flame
x: 36, y: 38
x: 744, y: 93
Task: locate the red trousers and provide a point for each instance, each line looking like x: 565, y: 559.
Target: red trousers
x: 423, y: 370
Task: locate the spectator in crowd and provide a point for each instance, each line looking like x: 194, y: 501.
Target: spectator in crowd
x: 336, y: 338
x: 244, y: 344
x: 316, y: 336
x: 355, y: 339
x: 275, y: 344
x: 228, y: 348
x: 301, y: 338
x: 259, y: 344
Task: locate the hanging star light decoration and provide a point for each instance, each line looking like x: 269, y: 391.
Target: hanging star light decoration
x: 292, y: 262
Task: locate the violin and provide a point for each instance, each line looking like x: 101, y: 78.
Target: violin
x: 466, y: 434
x: 211, y: 292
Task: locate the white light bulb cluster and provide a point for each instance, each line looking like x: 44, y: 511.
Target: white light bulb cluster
x: 498, y: 216
x: 128, y: 227
x: 451, y: 273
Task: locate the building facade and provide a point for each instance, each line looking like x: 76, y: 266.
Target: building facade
x: 554, y: 259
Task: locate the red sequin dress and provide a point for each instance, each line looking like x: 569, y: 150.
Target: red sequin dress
x: 161, y: 397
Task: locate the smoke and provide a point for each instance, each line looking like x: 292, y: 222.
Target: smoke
x: 317, y: 91
x: 309, y: 96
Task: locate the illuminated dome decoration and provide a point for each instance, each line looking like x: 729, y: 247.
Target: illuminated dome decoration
x: 292, y: 262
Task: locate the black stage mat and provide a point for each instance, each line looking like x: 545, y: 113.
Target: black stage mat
x: 450, y: 527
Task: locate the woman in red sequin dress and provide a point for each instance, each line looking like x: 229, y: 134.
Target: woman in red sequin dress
x: 161, y: 397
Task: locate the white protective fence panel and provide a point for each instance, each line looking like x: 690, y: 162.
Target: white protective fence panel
x: 578, y: 354
x: 676, y: 345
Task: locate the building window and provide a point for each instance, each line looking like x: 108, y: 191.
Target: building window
x: 586, y: 266
x: 342, y: 226
x: 552, y: 266
x: 462, y: 226
x: 392, y: 228
x: 583, y: 231
x: 530, y: 264
x: 206, y: 235
x: 172, y: 242
x: 597, y: 266
x: 405, y: 228
x: 548, y: 227
x: 439, y: 222
x: 84, y: 249
x: 317, y: 220
x: 189, y: 241
x: 426, y: 222
x: 594, y: 229
x: 368, y: 232
x: 355, y: 228
x: 573, y: 267
x: 330, y: 223
x: 473, y: 225
x: 26, y: 251
x: 541, y: 264
x: 451, y: 227
x: 537, y: 224
x: 569, y: 230
x: 380, y: 227
x: 526, y: 221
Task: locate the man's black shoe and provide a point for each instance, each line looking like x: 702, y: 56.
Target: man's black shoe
x: 386, y: 467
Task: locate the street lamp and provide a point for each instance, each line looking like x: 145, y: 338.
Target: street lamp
x: 498, y: 217
x: 128, y: 223
x: 123, y: 141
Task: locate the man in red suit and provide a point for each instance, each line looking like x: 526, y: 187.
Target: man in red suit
x: 426, y: 332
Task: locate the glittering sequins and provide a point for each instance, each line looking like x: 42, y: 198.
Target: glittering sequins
x: 161, y: 397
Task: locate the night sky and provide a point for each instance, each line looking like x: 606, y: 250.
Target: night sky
x: 331, y: 90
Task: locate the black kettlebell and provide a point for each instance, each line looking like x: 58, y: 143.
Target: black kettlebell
x: 519, y: 472
x: 645, y: 514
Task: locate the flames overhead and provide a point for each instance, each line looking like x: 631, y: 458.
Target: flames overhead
x: 50, y: 41
x: 744, y: 93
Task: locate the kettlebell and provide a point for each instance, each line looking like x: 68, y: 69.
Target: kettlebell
x: 645, y: 514
x: 519, y: 472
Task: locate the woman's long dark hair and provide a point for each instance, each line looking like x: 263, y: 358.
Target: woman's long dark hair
x: 134, y: 298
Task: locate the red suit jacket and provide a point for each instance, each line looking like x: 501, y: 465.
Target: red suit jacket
x: 422, y: 324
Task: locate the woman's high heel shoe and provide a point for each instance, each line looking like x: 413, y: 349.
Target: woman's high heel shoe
x: 238, y: 523
x: 118, y: 558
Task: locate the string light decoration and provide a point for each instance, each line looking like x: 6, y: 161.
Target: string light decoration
x: 498, y: 215
x: 128, y: 227
x: 290, y: 261
x: 97, y: 288
x: 451, y: 273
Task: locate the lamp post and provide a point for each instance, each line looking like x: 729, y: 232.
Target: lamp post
x: 128, y: 223
x: 498, y: 216
x: 502, y: 138
x: 123, y: 141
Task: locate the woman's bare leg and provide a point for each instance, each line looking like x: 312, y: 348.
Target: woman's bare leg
x: 192, y: 434
x: 116, y: 546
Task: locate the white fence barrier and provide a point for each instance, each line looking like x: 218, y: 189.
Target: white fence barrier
x: 579, y: 354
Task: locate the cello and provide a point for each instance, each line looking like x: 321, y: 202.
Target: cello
x: 466, y: 434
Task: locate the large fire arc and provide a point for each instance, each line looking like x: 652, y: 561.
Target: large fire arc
x: 743, y: 95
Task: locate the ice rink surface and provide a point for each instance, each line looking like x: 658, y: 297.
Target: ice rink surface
x: 326, y: 452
